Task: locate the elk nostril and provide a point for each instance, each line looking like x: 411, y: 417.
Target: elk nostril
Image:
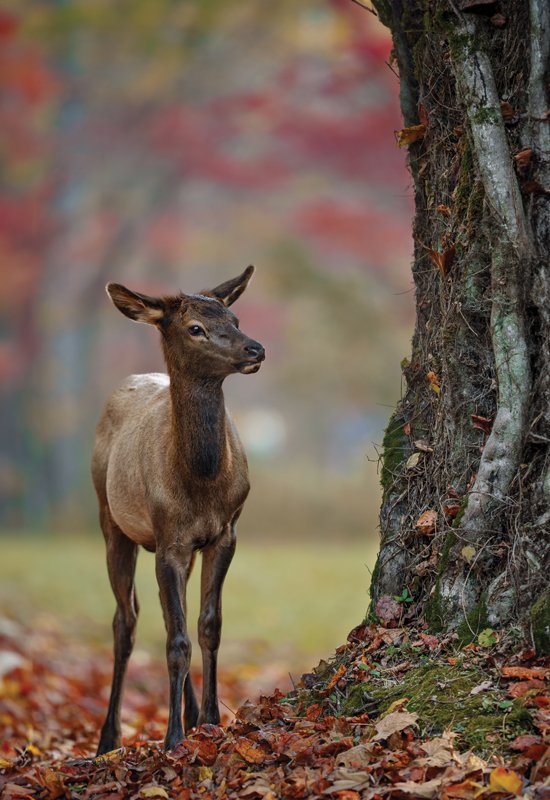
x: 256, y: 350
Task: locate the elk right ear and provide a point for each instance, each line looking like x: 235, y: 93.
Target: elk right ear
x: 138, y: 307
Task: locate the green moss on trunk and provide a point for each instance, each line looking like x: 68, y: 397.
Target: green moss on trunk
x: 540, y: 623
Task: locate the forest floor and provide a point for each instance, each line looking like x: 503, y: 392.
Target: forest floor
x: 395, y: 713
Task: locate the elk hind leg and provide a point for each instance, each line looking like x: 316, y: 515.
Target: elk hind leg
x: 121, y: 564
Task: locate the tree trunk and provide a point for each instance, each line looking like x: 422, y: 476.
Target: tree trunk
x: 470, y: 440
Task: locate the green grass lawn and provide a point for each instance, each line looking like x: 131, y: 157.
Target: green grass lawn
x: 290, y: 602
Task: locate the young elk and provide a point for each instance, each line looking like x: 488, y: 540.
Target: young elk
x: 171, y: 475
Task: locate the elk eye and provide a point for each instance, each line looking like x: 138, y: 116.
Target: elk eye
x: 196, y: 330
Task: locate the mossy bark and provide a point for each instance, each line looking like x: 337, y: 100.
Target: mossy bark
x: 478, y: 380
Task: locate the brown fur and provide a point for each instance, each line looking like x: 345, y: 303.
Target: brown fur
x: 171, y: 475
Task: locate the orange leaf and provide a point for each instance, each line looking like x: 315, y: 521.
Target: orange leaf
x: 467, y: 790
x: 250, y: 752
x: 407, y: 428
x: 426, y: 522
x: 443, y: 209
x: 340, y: 672
x: 505, y: 780
x: 442, y: 260
x: 409, y: 135
x: 521, y: 688
x: 525, y: 673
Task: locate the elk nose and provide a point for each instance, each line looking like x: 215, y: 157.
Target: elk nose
x: 255, y: 350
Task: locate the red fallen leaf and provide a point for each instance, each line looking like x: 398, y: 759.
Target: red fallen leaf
x: 533, y: 187
x: 521, y: 688
x: 442, y: 259
x: 527, y: 655
x: 542, y: 701
x: 526, y: 673
x: 314, y: 712
x: 484, y: 424
x: 523, y: 160
x: 388, y: 609
x: 522, y: 743
x: 334, y: 748
x: 430, y: 641
x: 251, y: 753
x: 451, y: 508
x: 409, y: 135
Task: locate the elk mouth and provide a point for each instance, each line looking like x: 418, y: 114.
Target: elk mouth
x: 248, y: 367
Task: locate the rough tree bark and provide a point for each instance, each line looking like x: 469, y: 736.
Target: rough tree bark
x: 470, y: 439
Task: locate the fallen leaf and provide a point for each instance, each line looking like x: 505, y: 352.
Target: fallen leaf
x: 523, y: 159
x: 505, y: 780
x: 507, y: 111
x: 443, y: 209
x: 426, y: 522
x: 407, y: 136
x: 521, y: 688
x: 468, y: 552
x: 153, y: 791
x: 426, y: 789
x: 422, y: 444
x: 481, y: 687
x: 467, y: 790
x: 487, y: 638
x: 412, y: 461
x: 393, y: 723
x: 442, y: 259
x: 250, y: 752
x: 526, y: 673
x: 387, y: 609
x: 340, y: 672
x: 451, y: 508
x: 484, y: 424
x: 522, y: 743
x: 435, y: 384
x: 407, y: 428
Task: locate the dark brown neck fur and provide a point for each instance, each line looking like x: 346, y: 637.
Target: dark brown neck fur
x: 198, y: 423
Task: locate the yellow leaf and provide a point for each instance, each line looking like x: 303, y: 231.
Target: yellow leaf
x: 4, y: 763
x: 153, y: 791
x: 33, y: 750
x: 468, y: 553
x: 205, y: 773
x: 409, y: 135
x: 397, y: 704
x: 505, y: 780
x: 412, y: 461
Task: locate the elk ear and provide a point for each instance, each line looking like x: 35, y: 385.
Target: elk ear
x: 231, y: 290
x: 138, y: 307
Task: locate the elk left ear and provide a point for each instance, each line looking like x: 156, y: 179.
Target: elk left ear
x: 231, y: 290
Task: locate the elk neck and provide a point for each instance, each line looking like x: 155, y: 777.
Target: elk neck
x: 198, y: 423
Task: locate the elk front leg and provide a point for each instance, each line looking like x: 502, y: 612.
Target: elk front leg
x: 121, y: 563
x: 172, y: 569
x: 216, y: 559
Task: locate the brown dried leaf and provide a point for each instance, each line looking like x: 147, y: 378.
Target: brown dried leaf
x: 484, y: 424
x: 250, y: 752
x: 443, y: 209
x: 426, y: 522
x: 523, y: 159
x: 521, y: 688
x: 387, y: 609
x: 393, y: 723
x: 407, y: 136
x: 442, y: 259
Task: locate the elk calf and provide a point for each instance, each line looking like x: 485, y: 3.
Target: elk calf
x: 171, y: 475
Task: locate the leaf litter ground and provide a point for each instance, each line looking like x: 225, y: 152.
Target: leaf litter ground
x: 395, y: 713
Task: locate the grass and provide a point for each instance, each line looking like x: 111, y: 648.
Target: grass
x: 292, y: 602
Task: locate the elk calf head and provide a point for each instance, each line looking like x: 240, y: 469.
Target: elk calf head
x: 200, y: 334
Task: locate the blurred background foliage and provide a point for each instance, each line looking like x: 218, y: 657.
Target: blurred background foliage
x: 166, y: 145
